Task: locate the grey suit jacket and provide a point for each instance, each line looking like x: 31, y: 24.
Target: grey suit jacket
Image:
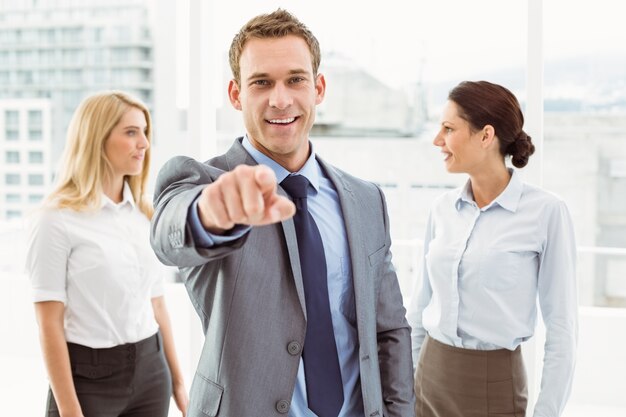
x: 250, y: 298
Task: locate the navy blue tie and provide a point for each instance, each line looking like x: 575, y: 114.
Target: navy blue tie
x: 321, y: 363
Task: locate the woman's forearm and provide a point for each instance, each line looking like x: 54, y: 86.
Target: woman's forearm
x: 56, y: 357
x: 162, y: 317
x: 178, y: 382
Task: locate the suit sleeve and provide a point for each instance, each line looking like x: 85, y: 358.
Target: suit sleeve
x: 394, y: 338
x: 178, y: 184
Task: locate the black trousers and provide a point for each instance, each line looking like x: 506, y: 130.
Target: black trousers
x: 131, y: 380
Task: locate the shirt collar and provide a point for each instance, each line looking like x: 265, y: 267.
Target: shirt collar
x: 311, y: 169
x: 508, y: 199
x: 127, y: 198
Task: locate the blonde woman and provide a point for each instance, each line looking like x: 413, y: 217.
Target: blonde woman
x: 104, y: 328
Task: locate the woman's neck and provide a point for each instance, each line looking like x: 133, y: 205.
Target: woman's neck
x: 114, y: 189
x: 489, y: 183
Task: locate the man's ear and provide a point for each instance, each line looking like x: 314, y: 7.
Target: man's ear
x: 233, y: 94
x: 320, y: 88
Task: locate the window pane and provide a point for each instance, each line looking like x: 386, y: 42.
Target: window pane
x: 13, y: 198
x: 13, y: 214
x: 12, y: 135
x: 385, y: 87
x: 12, y: 157
x: 35, y: 157
x: 35, y: 198
x: 35, y: 118
x: 11, y: 118
x: 35, y: 135
x: 12, y: 179
x: 585, y: 136
x: 35, y: 179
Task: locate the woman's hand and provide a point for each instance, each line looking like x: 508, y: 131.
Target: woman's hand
x: 180, y: 397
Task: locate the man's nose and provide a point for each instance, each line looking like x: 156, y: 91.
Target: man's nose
x: 280, y: 97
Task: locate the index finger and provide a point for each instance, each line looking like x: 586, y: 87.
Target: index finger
x: 265, y: 179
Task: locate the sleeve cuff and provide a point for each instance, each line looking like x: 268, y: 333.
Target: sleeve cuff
x: 40, y: 295
x: 205, y: 239
x: 158, y: 289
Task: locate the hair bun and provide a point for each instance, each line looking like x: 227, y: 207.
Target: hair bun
x: 521, y: 149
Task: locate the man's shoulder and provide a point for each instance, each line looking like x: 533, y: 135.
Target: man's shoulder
x: 349, y: 179
x: 227, y: 161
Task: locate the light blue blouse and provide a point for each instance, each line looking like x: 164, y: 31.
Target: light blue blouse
x: 483, y: 270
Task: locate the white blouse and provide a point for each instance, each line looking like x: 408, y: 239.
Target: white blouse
x: 101, y: 266
x: 484, y: 269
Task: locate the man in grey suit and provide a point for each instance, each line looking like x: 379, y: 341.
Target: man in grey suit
x: 228, y: 226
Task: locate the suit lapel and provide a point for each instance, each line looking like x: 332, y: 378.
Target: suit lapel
x: 289, y: 230
x: 355, y: 230
x: 237, y: 155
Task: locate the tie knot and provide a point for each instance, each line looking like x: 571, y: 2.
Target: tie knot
x: 295, y: 185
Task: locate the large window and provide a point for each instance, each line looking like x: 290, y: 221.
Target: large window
x: 585, y: 147
x: 387, y: 74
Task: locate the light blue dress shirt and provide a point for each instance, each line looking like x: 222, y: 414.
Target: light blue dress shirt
x: 484, y: 269
x: 323, y: 203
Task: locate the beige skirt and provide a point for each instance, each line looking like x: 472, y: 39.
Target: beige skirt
x: 456, y: 382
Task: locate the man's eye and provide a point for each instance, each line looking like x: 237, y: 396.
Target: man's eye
x: 261, y: 82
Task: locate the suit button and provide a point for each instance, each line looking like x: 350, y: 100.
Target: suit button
x: 282, y: 406
x: 294, y: 348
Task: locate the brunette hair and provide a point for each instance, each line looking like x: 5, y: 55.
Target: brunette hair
x: 482, y: 103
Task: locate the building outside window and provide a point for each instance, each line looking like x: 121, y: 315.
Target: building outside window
x: 12, y: 134
x: 12, y: 157
x: 35, y: 179
x: 13, y: 198
x: 13, y: 214
x: 35, y: 198
x: 35, y: 119
x: 12, y: 179
x: 35, y: 135
x: 35, y: 157
x: 11, y: 118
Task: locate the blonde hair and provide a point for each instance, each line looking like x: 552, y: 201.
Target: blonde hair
x: 84, y: 165
x: 273, y: 25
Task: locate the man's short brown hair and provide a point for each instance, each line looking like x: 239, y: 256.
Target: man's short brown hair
x: 273, y: 25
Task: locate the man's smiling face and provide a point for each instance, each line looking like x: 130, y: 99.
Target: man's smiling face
x: 277, y: 94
